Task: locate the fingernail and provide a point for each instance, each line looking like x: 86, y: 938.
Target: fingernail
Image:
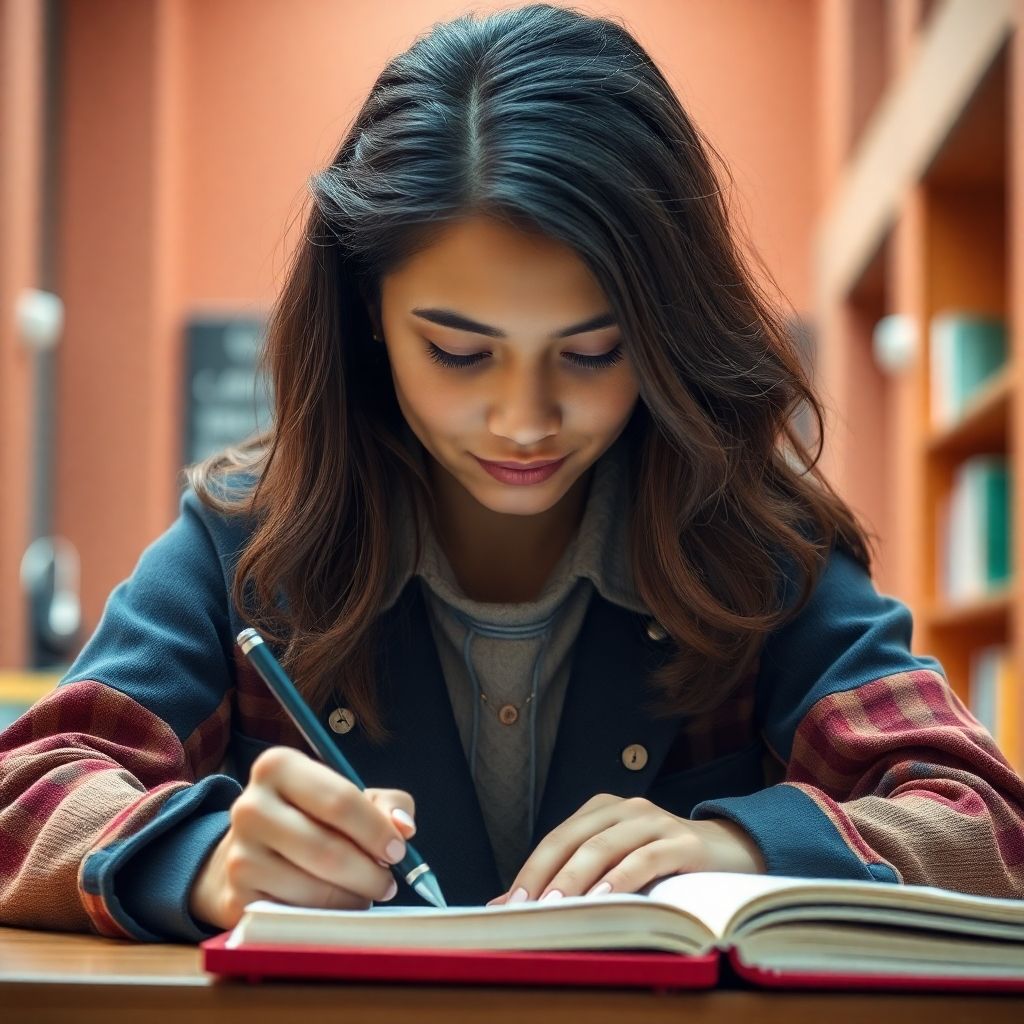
x: 600, y: 889
x: 395, y: 851
x: 392, y: 889
x: 555, y: 894
x: 519, y: 896
x: 404, y: 817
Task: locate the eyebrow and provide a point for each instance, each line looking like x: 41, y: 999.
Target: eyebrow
x: 449, y: 318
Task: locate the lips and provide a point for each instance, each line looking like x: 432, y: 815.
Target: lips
x: 524, y: 465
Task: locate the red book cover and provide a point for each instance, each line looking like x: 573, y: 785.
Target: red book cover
x: 463, y: 966
x: 764, y: 977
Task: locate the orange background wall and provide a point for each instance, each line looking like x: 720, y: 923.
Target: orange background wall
x: 20, y: 108
x: 188, y: 130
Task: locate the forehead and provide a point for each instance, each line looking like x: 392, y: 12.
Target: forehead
x: 480, y: 264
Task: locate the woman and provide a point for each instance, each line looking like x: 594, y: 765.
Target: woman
x: 660, y: 653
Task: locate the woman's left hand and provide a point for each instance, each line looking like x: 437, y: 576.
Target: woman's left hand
x: 614, y: 844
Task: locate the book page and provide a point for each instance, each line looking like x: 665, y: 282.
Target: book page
x: 618, y: 920
x: 716, y: 897
x: 711, y: 898
x: 854, y: 948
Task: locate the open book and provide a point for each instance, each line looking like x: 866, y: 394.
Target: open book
x: 772, y: 928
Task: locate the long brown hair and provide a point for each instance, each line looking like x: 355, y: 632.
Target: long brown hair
x: 558, y: 122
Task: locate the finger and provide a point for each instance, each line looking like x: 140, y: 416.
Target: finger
x: 552, y: 852
x: 398, y: 805
x: 331, y: 799
x: 595, y: 856
x: 667, y: 856
x: 601, y: 800
x: 268, y: 875
x: 319, y: 851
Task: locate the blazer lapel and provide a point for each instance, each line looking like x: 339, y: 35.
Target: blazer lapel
x: 603, y: 714
x: 426, y: 758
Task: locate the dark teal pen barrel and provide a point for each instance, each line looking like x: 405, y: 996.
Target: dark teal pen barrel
x: 412, y: 867
x: 283, y: 688
x: 409, y: 862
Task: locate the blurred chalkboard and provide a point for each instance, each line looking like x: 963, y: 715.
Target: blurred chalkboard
x: 225, y: 399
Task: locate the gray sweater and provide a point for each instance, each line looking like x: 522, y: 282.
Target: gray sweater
x: 510, y: 651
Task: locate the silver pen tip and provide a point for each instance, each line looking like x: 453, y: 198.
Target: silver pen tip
x: 426, y: 885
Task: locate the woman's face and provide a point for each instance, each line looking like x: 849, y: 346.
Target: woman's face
x: 525, y: 394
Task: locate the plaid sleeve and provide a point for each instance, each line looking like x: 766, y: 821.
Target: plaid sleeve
x: 124, y: 749
x: 888, y: 776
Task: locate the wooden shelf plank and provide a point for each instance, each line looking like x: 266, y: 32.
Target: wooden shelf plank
x: 991, y: 610
x: 984, y: 424
x: 906, y: 133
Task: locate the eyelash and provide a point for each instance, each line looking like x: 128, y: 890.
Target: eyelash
x: 586, y: 362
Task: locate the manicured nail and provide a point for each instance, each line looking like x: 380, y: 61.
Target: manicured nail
x: 519, y: 896
x: 600, y: 889
x: 392, y: 889
x: 555, y: 894
x: 395, y: 851
x: 403, y: 816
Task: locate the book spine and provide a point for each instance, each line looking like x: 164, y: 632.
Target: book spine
x: 975, y: 535
x: 997, y: 519
x: 965, y: 351
x: 993, y: 698
x: 939, y: 356
x: 983, y: 691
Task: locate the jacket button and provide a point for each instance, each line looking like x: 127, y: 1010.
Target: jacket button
x: 342, y: 720
x: 634, y: 757
x: 656, y: 631
x: 508, y: 714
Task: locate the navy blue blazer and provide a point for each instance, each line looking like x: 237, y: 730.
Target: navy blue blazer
x: 164, y: 655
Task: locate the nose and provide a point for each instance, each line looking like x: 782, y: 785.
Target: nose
x: 526, y: 409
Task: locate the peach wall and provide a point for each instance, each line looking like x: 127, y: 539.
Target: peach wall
x: 119, y: 259
x: 190, y: 130
x: 21, y: 69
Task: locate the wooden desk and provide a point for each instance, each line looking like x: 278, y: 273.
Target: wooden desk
x: 59, y: 976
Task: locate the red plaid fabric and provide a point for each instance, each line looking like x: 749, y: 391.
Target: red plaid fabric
x: 910, y: 777
x: 87, y: 766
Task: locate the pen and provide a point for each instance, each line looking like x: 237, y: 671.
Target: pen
x: 413, y: 868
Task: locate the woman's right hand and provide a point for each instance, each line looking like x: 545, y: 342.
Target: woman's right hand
x: 302, y: 834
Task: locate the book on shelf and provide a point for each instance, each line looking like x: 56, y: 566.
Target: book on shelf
x: 966, y: 350
x: 975, y: 529
x: 771, y: 930
x: 993, y: 697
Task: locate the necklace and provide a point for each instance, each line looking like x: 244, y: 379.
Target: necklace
x: 508, y: 714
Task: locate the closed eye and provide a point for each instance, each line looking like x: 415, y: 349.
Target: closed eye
x: 448, y: 359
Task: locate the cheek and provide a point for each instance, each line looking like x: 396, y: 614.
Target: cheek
x: 611, y: 401
x: 428, y: 396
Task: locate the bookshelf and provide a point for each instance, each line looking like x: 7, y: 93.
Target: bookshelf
x: 925, y: 219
